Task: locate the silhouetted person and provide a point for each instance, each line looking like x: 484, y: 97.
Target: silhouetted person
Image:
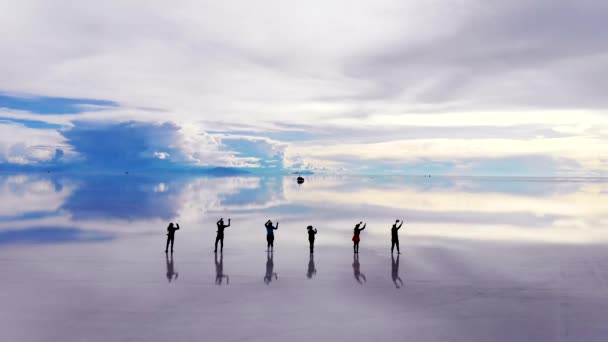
x: 395, y: 271
x: 170, y: 272
x: 356, y: 237
x: 270, y: 233
x: 219, y: 270
x: 395, y: 236
x: 311, y: 266
x: 357, y: 271
x: 311, y: 238
x: 269, y: 269
x: 171, y: 235
x: 220, y: 233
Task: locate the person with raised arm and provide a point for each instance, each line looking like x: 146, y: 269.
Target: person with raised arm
x: 311, y: 238
x: 220, y: 233
x: 356, y: 237
x: 395, y: 236
x: 171, y: 235
x: 270, y: 233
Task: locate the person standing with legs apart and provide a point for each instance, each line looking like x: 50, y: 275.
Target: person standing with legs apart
x: 270, y: 233
x: 356, y: 237
x: 171, y: 235
x: 311, y: 238
x: 395, y: 236
x: 220, y: 233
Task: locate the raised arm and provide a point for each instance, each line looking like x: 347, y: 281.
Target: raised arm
x: 277, y: 227
x: 177, y: 225
x: 228, y: 224
x: 315, y: 230
x: 363, y: 226
x: 400, y: 224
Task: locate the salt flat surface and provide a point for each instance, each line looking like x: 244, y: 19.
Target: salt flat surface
x: 482, y: 260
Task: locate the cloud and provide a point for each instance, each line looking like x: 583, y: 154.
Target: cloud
x: 278, y: 83
x: 266, y: 152
x: 26, y: 146
x: 559, y: 155
x: 144, y: 145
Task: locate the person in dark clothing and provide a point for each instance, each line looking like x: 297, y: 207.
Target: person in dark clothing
x: 395, y: 271
x: 356, y: 237
x: 219, y: 270
x: 220, y: 233
x: 270, y: 233
x: 171, y: 274
x: 395, y: 236
x: 311, y: 266
x: 357, y: 271
x: 311, y: 238
x: 269, y: 269
x: 171, y: 235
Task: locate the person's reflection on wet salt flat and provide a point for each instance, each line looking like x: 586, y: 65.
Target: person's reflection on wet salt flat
x: 357, y: 271
x: 171, y: 274
x: 219, y: 270
x: 395, y: 271
x: 311, y: 267
x: 269, y: 269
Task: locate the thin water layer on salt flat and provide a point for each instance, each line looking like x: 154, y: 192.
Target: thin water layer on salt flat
x: 482, y: 259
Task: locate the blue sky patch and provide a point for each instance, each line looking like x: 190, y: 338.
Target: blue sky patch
x: 31, y: 123
x: 51, y: 105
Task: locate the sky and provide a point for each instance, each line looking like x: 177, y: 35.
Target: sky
x: 464, y: 87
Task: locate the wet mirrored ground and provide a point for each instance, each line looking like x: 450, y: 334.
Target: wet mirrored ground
x: 482, y: 259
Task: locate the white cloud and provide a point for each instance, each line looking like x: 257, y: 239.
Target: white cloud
x: 22, y: 145
x: 344, y: 67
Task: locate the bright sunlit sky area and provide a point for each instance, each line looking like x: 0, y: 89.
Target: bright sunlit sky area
x: 467, y: 87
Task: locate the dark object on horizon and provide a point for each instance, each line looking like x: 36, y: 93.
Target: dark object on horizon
x: 395, y: 236
x: 311, y: 238
x: 126, y: 172
x: 171, y: 235
x: 395, y: 271
x: 311, y: 266
x: 270, y: 233
x: 269, y: 269
x: 300, y: 179
x: 356, y: 270
x: 220, y: 233
x: 171, y: 274
x: 219, y: 270
x: 356, y: 237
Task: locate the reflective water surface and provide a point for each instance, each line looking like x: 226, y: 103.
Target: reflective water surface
x: 482, y: 259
